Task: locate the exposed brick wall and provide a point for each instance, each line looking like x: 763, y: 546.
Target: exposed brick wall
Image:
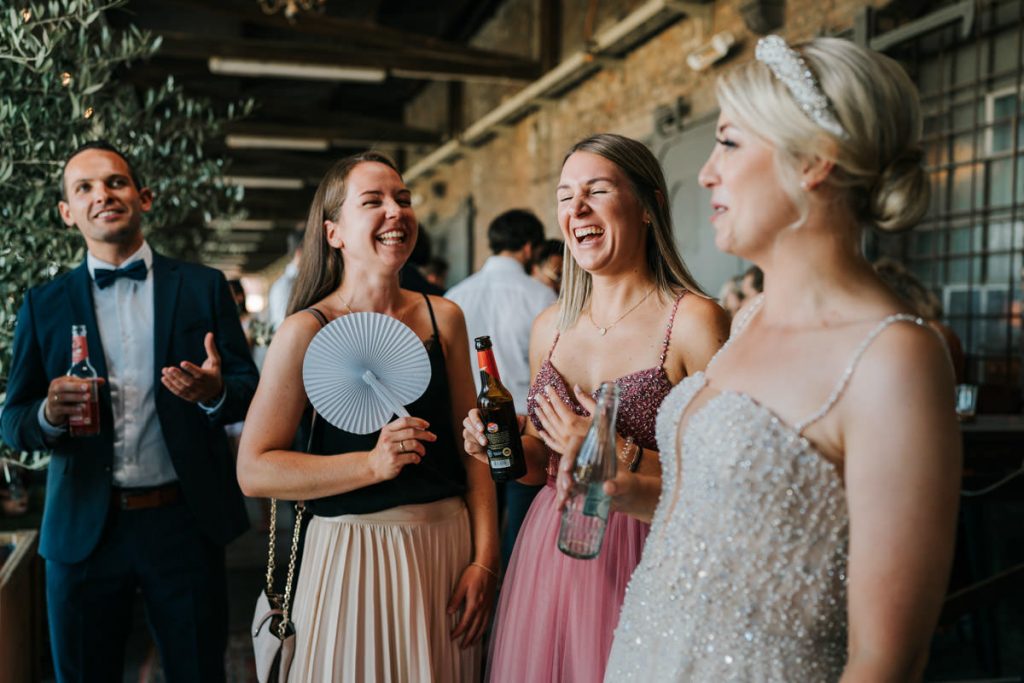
x: 520, y: 166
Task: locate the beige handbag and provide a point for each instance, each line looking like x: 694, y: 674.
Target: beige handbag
x: 273, y: 633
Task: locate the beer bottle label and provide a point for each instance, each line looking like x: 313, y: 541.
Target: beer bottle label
x: 499, y: 446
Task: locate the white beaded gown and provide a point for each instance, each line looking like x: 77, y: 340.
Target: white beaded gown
x: 743, y: 577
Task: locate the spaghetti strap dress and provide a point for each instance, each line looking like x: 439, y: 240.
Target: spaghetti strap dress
x: 744, y: 574
x: 556, y: 614
x: 380, y: 563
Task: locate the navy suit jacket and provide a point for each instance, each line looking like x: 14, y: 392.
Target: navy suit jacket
x: 189, y: 301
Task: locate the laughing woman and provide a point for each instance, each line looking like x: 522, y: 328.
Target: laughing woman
x: 400, y: 559
x: 630, y: 310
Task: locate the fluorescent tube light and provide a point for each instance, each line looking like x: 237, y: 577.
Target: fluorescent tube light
x: 244, y: 224
x: 265, y: 142
x: 230, y: 66
x: 265, y: 182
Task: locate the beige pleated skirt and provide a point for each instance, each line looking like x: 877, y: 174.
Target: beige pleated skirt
x: 370, y: 604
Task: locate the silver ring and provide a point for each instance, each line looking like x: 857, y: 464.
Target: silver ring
x: 402, y: 445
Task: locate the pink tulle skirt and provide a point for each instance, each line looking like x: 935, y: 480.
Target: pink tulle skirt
x: 556, y: 615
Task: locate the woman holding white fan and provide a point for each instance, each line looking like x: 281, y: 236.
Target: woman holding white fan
x: 399, y: 566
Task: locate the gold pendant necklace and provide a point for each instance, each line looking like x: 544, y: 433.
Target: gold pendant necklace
x: 604, y: 330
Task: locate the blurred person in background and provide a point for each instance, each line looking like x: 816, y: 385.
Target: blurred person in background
x: 546, y: 266
x: 436, y: 272
x: 730, y: 297
x: 502, y: 302
x: 281, y: 290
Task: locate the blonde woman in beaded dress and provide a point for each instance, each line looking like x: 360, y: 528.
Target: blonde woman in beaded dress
x: 629, y: 311
x: 806, y: 524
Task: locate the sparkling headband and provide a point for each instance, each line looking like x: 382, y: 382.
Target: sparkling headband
x: 790, y: 68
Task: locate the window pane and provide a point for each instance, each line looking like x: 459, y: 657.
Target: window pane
x: 963, y: 147
x: 962, y: 302
x: 965, y: 66
x: 1000, y: 236
x: 960, y: 241
x: 1005, y: 52
x: 966, y: 179
x: 923, y: 243
x: 929, y: 77
x: 924, y: 270
x: 998, y: 268
x: 958, y: 270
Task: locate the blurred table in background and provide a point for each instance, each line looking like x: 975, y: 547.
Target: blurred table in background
x: 21, y: 607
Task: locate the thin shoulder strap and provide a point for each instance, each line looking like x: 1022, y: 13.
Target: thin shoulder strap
x: 554, y: 343
x: 668, y: 332
x: 844, y: 381
x: 316, y: 313
x: 433, y: 320
x: 746, y: 315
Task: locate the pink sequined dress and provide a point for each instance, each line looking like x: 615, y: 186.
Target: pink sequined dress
x: 556, y: 615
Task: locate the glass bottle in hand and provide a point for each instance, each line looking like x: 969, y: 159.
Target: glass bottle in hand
x: 87, y: 423
x: 498, y: 413
x: 586, y: 512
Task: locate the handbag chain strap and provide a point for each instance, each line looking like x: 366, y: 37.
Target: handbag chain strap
x: 300, y: 507
x: 285, y: 622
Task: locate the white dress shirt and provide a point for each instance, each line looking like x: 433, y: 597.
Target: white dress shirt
x: 124, y: 315
x: 280, y: 293
x: 502, y: 301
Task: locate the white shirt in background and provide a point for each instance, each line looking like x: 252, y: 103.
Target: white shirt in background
x: 280, y: 293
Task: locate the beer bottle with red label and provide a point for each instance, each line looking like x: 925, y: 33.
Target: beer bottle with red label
x: 504, y: 445
x: 88, y: 422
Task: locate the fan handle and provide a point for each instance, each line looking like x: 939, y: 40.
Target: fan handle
x: 385, y: 394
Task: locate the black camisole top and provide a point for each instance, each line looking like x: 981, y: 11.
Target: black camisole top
x: 440, y: 473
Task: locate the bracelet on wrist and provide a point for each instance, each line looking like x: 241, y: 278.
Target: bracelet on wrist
x: 485, y: 568
x: 630, y: 454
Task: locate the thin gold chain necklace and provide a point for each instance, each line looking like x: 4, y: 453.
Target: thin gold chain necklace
x: 604, y: 330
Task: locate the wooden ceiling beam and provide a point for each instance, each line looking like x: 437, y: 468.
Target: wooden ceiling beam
x: 346, y: 31
x: 404, y: 63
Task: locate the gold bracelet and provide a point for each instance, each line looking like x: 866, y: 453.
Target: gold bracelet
x: 629, y: 457
x: 485, y: 568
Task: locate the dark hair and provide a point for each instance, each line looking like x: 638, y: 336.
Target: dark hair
x: 103, y: 146
x: 513, y: 230
x: 421, y: 251
x: 321, y: 268
x: 238, y: 293
x: 547, y: 249
x: 435, y: 266
x: 756, y: 277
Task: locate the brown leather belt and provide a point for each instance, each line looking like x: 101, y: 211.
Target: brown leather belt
x: 143, y: 498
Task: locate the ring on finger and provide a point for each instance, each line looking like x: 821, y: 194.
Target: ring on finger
x: 401, y: 445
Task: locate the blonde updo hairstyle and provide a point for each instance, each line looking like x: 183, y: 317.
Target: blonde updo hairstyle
x: 877, y: 166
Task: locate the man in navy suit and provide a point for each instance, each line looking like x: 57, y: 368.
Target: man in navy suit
x: 149, y: 503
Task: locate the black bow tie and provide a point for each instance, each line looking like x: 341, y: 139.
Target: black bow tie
x: 105, y: 276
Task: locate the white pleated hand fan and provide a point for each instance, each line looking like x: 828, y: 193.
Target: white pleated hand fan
x: 363, y: 368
